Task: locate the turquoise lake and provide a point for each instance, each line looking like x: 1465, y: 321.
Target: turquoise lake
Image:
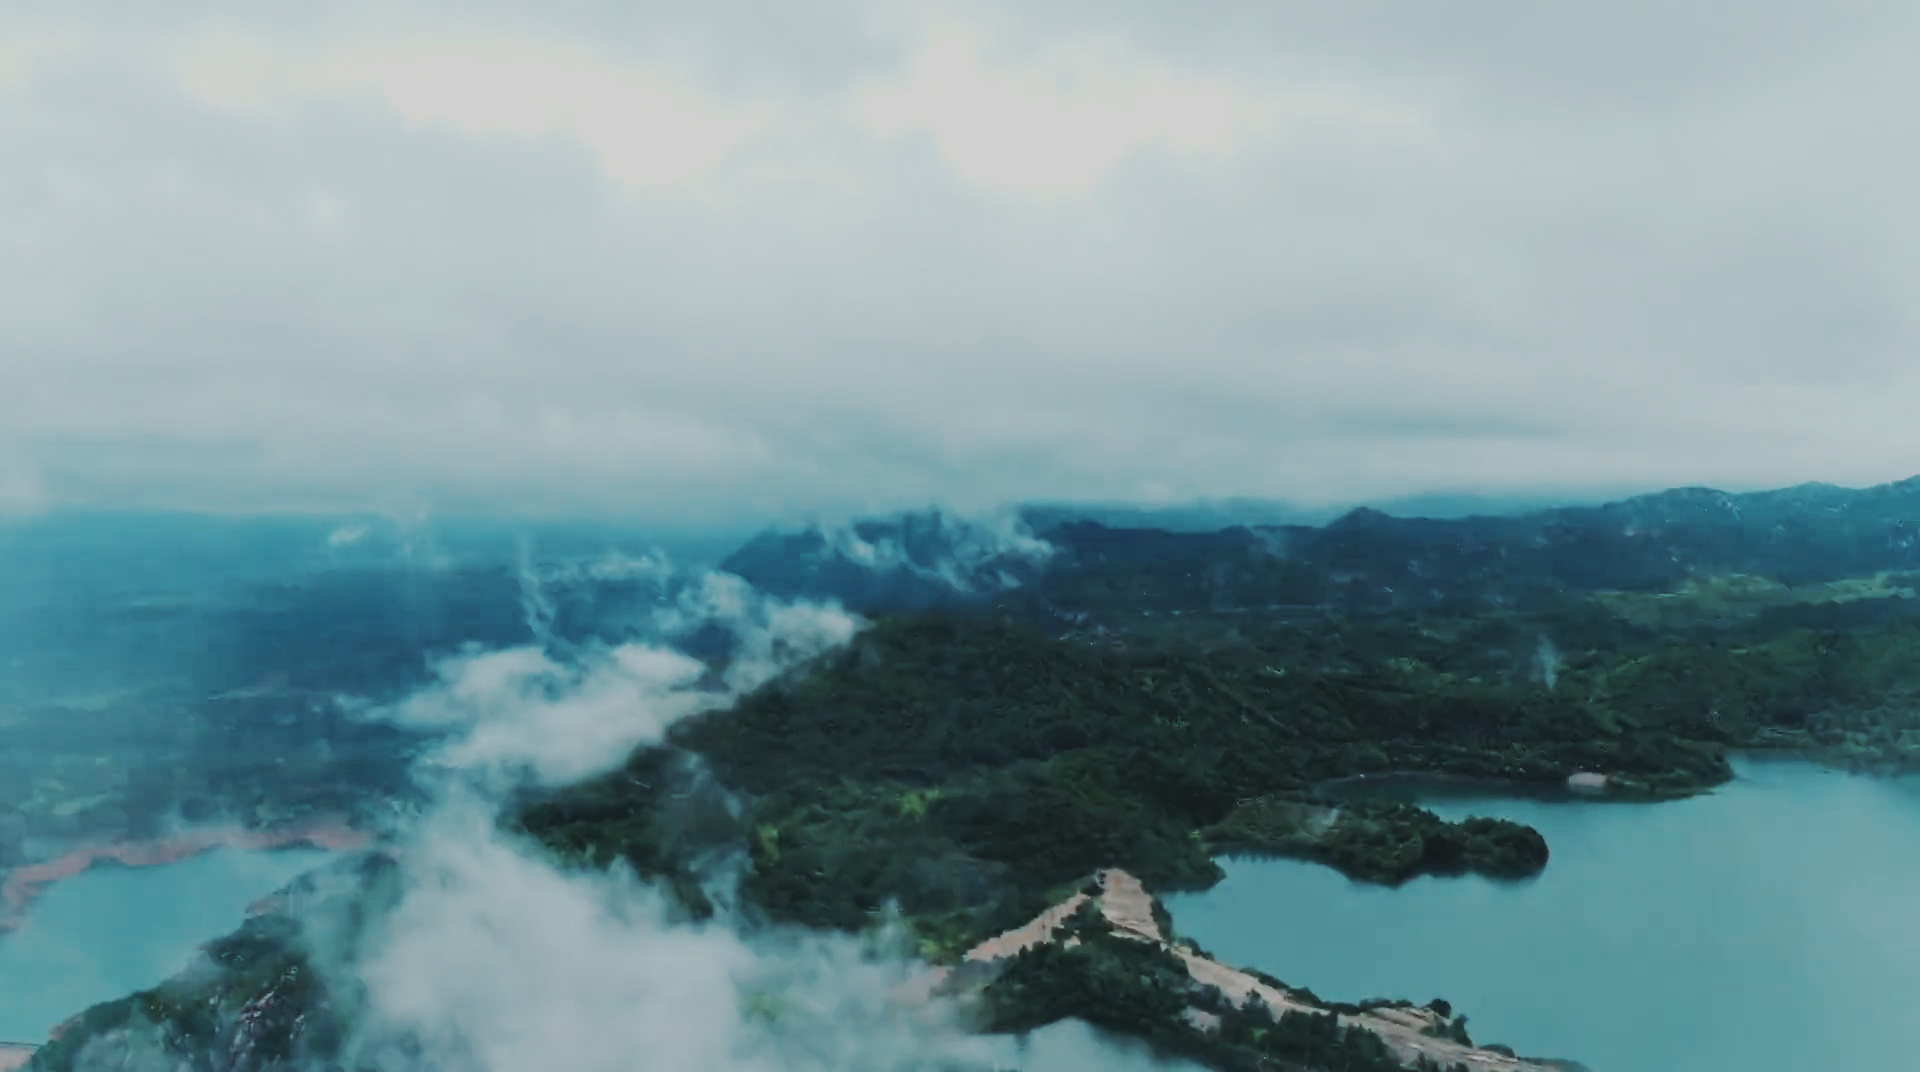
x: 1772, y: 926
x: 110, y: 931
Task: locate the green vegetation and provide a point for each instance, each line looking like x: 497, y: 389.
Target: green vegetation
x: 1729, y: 599
x: 1153, y: 701
x: 1252, y: 1037
x: 257, y: 1000
x: 1110, y: 981
x: 264, y: 998
x: 1140, y: 989
x: 967, y: 767
x: 972, y: 770
x: 1381, y: 842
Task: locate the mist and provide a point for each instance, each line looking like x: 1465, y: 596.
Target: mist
x: 173, y: 682
x: 493, y: 958
x: 441, y: 678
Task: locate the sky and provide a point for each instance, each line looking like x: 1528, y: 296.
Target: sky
x: 738, y: 259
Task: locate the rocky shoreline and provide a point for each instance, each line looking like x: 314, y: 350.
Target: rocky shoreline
x: 20, y: 886
x: 1412, y: 1033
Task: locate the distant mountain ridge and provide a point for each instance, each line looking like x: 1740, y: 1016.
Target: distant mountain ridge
x: 921, y: 560
x: 1213, y: 515
x: 1365, y: 559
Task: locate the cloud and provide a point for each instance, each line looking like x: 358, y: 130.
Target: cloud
x: 899, y: 560
x: 531, y: 714
x: 519, y: 711
x: 22, y: 55
x: 22, y: 492
x: 771, y: 635
x: 644, y: 127
x: 1060, y: 122
x: 494, y: 960
x: 706, y: 265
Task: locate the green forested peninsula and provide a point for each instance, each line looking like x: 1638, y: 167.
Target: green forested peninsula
x: 1153, y: 701
x: 967, y: 766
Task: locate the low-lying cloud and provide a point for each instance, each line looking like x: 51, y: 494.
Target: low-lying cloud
x: 771, y: 635
x: 530, y: 714
x: 495, y: 960
x: 498, y: 963
x: 965, y: 553
x: 520, y: 712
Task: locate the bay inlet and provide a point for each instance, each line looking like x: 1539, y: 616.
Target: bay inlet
x: 1770, y: 926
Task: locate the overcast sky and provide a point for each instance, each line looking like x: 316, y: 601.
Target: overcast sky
x: 744, y: 257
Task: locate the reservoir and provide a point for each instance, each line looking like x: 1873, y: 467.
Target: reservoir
x: 109, y: 931
x: 1771, y: 926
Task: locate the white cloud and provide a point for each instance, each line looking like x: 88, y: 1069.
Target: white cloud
x: 22, y: 492
x: 494, y: 960
x: 497, y: 962
x: 518, y: 710
x: 525, y: 715
x: 646, y: 127
x: 1053, y: 123
x: 1059, y: 122
x: 29, y: 49
x: 772, y: 634
x: 703, y: 263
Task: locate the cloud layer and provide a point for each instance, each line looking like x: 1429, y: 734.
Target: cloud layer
x: 527, y: 714
x: 493, y: 960
x: 641, y: 260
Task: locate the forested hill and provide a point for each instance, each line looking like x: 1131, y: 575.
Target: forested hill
x: 1020, y: 716
x: 1032, y: 706
x: 1363, y: 561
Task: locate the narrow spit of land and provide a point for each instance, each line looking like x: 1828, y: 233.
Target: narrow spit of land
x: 22, y: 885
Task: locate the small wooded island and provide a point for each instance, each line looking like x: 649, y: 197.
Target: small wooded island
x: 1028, y: 748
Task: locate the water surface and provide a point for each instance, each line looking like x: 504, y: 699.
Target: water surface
x: 1773, y: 926
x: 110, y: 931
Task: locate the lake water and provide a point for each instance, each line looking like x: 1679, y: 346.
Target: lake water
x: 1773, y: 926
x: 110, y: 931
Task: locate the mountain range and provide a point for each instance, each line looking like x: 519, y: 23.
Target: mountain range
x: 1364, y: 559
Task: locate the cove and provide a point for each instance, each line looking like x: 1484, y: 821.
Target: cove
x: 1770, y: 926
x: 112, y: 930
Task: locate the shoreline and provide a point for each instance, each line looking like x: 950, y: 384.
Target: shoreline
x: 23, y: 885
x: 1416, y: 786
x: 15, y: 1055
x: 1409, y: 1032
